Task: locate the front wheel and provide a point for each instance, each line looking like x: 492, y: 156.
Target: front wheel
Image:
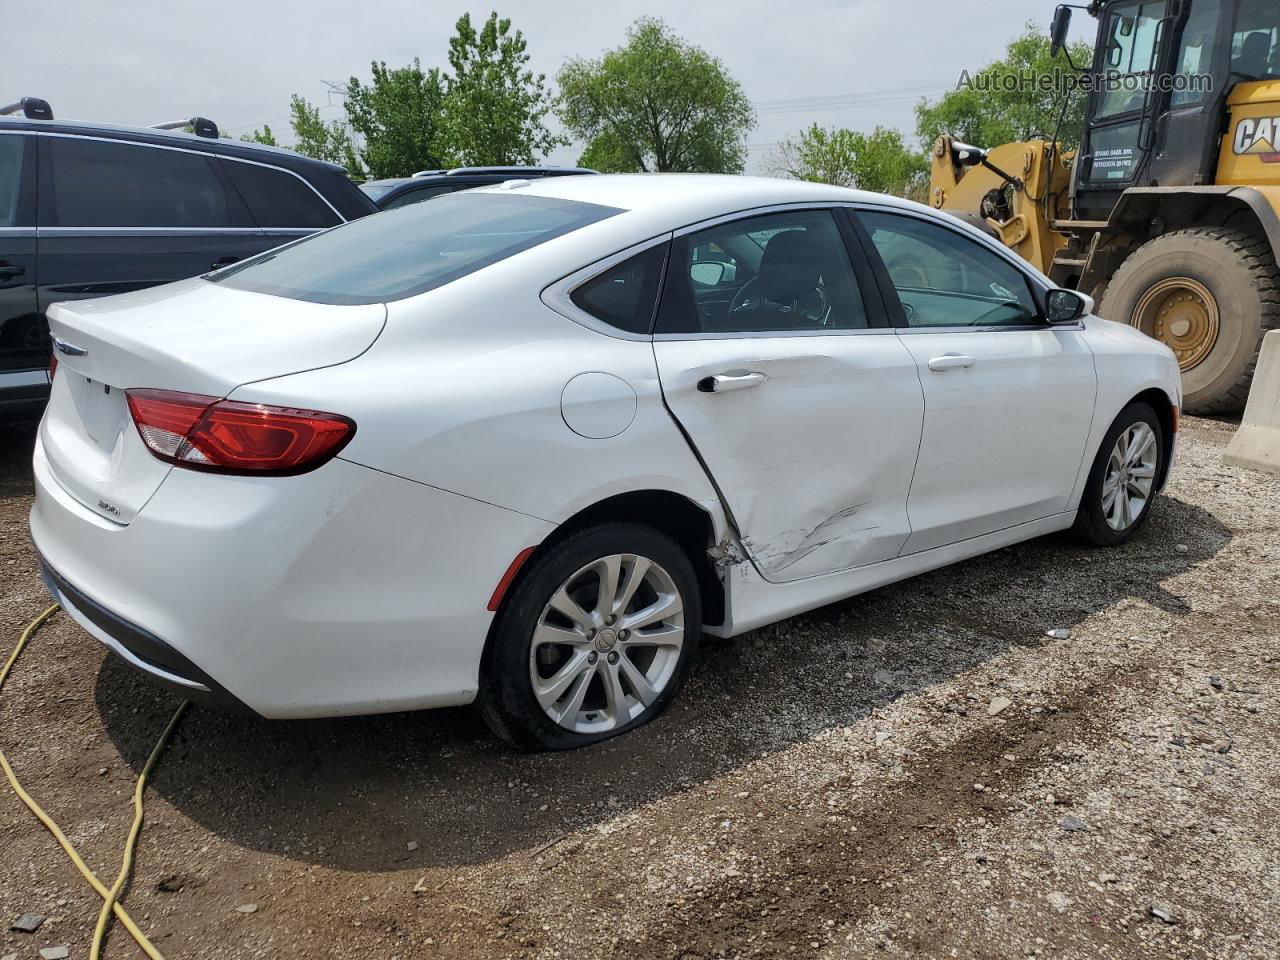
x: 595, y: 639
x: 1123, y: 480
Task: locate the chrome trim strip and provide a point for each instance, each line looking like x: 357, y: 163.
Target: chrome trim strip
x: 558, y: 297
x: 24, y: 378
x: 777, y: 334
x: 18, y: 231
x: 991, y: 328
x: 199, y: 153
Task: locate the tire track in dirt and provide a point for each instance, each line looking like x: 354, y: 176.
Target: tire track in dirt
x: 826, y: 872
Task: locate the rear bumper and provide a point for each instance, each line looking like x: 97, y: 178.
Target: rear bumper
x: 141, y: 650
x: 338, y: 592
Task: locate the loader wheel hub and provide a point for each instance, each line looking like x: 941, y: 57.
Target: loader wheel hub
x: 1182, y: 314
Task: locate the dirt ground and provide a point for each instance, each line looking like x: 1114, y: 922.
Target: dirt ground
x: 841, y: 785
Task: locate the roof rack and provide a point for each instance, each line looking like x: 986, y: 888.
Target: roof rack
x: 33, y: 108
x: 200, y: 126
x: 428, y: 173
x: 534, y: 168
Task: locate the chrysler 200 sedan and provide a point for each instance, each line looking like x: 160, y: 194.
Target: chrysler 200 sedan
x: 522, y: 445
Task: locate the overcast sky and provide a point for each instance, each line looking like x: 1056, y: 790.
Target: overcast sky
x: 854, y: 63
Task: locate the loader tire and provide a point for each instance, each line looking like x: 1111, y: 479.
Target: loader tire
x: 1210, y: 294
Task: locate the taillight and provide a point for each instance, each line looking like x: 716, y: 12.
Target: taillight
x: 226, y: 436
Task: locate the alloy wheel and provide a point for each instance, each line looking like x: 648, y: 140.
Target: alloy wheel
x: 607, y: 643
x: 1130, y: 476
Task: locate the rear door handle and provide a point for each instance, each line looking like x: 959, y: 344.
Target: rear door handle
x: 8, y: 271
x: 723, y: 382
x: 950, y: 361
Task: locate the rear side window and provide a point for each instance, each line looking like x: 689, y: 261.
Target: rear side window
x: 400, y: 253
x: 98, y: 183
x: 277, y: 198
x: 12, y: 149
x: 626, y: 295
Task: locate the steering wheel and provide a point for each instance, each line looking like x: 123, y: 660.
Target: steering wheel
x: 822, y: 314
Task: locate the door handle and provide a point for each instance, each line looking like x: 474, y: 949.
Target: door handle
x: 723, y: 382
x: 8, y: 271
x: 950, y: 361
x: 223, y: 262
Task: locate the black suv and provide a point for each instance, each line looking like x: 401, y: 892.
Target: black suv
x: 88, y: 209
x: 425, y: 184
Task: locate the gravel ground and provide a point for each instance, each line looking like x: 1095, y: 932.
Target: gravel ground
x: 918, y: 772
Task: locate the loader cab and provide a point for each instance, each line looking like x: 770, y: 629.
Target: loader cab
x: 1162, y: 71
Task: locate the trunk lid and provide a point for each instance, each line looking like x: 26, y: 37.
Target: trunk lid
x: 193, y: 336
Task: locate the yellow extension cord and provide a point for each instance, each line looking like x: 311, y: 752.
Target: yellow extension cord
x: 110, y: 897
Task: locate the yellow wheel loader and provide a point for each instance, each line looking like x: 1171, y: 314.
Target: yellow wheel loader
x: 1169, y: 212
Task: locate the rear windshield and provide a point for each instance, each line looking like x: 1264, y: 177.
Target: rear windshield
x: 407, y: 251
x: 378, y: 188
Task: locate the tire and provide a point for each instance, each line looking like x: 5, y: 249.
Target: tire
x: 1238, y: 270
x: 611, y: 698
x: 1096, y: 519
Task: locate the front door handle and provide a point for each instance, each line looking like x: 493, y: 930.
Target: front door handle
x: 950, y: 361
x: 723, y: 382
x: 223, y: 262
x: 8, y: 270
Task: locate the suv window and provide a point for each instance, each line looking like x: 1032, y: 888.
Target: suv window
x: 780, y: 272
x: 11, y: 152
x: 111, y: 184
x: 945, y: 279
x: 626, y: 295
x: 277, y: 198
x: 404, y: 252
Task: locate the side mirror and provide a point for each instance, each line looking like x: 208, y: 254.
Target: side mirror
x: 1067, y: 306
x: 1058, y: 30
x: 707, y: 273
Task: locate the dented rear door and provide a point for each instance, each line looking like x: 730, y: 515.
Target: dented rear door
x: 815, y: 461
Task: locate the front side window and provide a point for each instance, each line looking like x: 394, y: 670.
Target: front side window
x: 777, y: 273
x: 12, y: 149
x: 1129, y: 55
x: 277, y: 198
x: 99, y: 183
x: 400, y: 253
x: 944, y: 279
x: 625, y: 295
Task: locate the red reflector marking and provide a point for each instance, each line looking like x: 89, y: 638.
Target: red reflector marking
x: 501, y: 589
x: 53, y: 364
x: 1176, y: 415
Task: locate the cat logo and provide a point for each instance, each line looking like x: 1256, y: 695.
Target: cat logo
x: 1257, y: 137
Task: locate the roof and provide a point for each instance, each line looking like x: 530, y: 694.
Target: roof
x: 165, y: 137
x: 688, y: 197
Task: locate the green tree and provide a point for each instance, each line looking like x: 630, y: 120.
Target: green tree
x: 656, y: 103
x: 877, y: 161
x: 325, y: 141
x: 263, y: 136
x: 399, y: 116
x: 983, y: 112
x: 494, y: 106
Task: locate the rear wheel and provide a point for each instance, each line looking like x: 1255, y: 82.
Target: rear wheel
x: 1122, y: 482
x: 1209, y: 294
x: 594, y: 639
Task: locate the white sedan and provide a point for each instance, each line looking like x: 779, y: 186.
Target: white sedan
x: 523, y: 445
